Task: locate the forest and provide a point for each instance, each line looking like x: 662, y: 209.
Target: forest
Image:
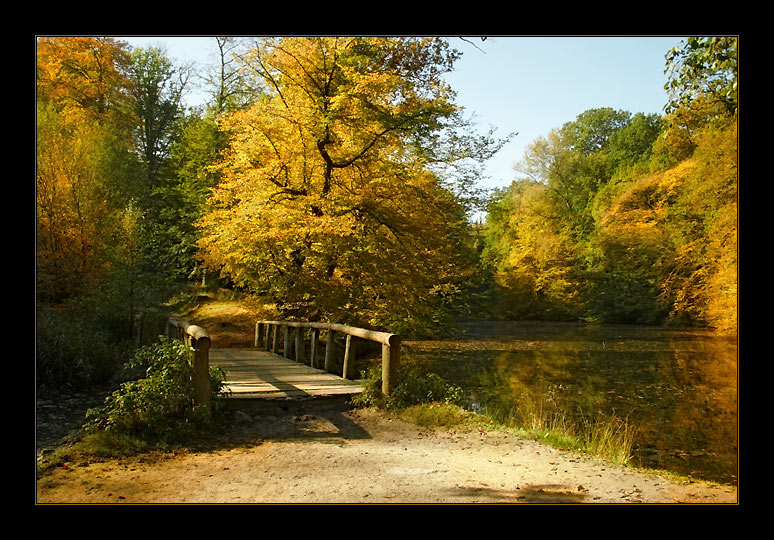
x: 336, y: 177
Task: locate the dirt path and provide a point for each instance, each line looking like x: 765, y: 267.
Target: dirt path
x: 331, y: 454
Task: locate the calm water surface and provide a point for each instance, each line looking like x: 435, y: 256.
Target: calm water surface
x: 676, y: 387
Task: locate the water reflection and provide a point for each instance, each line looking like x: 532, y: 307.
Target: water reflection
x: 677, y: 387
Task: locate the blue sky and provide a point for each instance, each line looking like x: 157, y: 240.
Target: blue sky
x: 528, y: 85
x: 532, y: 85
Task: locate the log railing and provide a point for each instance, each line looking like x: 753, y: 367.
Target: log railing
x: 269, y: 333
x: 197, y: 338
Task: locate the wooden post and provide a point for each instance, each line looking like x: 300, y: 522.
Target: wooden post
x: 257, y: 334
x: 329, y: 347
x: 268, y: 330
x: 275, y: 339
x: 287, y: 344
x: 313, y: 346
x: 171, y: 330
x: 197, y: 338
x: 349, y: 358
x: 203, y: 394
x: 300, y: 352
x: 390, y: 364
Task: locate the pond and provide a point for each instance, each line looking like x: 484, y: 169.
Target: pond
x: 676, y: 387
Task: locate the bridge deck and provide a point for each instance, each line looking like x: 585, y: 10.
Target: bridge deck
x: 258, y: 374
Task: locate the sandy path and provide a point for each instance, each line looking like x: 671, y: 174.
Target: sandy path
x: 334, y: 455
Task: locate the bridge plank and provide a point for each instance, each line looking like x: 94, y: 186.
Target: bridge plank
x: 258, y: 374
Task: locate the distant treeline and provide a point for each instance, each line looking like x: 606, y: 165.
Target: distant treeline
x: 629, y: 218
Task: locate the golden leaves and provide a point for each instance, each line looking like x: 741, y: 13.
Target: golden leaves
x: 319, y: 186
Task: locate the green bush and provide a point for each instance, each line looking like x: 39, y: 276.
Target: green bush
x: 415, y: 385
x: 160, y: 406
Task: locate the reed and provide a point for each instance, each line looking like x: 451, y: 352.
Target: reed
x: 605, y: 436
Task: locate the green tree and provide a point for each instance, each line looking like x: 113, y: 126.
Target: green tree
x: 592, y: 129
x: 703, y: 67
x: 157, y: 92
x: 544, y: 234
x: 156, y: 100
x: 183, y: 196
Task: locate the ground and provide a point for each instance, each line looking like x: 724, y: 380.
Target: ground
x: 330, y: 453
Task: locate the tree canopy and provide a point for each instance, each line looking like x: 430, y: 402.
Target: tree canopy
x: 629, y: 218
x: 330, y: 199
x: 336, y: 178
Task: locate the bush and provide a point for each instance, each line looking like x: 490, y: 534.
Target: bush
x: 160, y: 406
x: 415, y: 386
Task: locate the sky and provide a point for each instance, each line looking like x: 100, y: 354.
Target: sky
x: 521, y: 84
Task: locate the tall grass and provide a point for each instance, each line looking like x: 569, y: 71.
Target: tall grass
x: 427, y: 399
x: 605, y: 436
x: 610, y: 437
x: 71, y: 353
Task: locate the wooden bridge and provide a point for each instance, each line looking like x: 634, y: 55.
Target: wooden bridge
x: 278, y: 367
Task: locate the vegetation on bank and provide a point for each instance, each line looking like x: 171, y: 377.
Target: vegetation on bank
x: 426, y: 399
x: 651, y: 239
x: 160, y: 404
x: 629, y: 218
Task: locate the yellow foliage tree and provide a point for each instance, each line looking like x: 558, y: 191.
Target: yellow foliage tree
x: 706, y: 214
x: 677, y: 230
x: 538, y: 269
x: 79, y: 133
x: 329, y: 199
x: 81, y: 73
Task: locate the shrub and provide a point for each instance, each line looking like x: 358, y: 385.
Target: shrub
x: 161, y: 405
x: 415, y: 385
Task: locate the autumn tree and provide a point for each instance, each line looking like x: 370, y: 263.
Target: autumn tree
x: 340, y: 193
x: 543, y: 236
x: 531, y: 255
x: 83, y: 160
x: 82, y: 73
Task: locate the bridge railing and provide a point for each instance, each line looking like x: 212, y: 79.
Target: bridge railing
x: 197, y: 338
x: 268, y: 332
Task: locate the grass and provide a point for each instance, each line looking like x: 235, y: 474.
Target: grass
x: 607, y: 437
x: 426, y: 399
x: 442, y: 415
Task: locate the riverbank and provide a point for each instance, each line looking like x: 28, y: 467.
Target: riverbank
x: 337, y: 455
x: 332, y: 454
